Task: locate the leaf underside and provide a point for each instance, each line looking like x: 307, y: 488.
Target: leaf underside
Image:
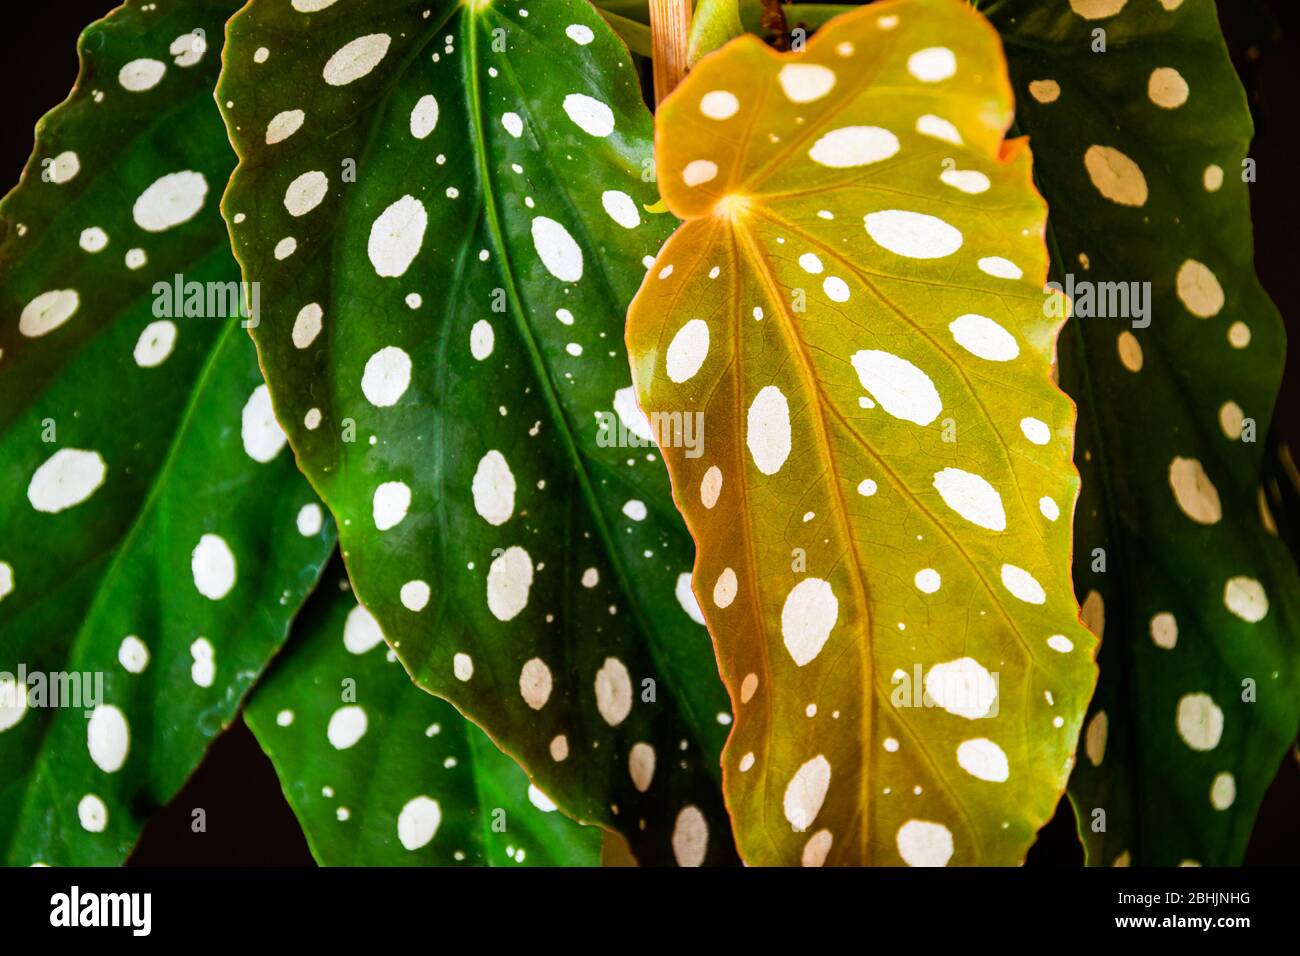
x: 1139, y: 152
x: 882, y: 509
x: 154, y: 533
x: 442, y: 337
x: 421, y: 785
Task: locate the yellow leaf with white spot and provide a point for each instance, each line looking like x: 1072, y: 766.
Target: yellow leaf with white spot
x: 855, y: 306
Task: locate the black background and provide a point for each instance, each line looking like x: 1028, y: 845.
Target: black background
x: 250, y: 824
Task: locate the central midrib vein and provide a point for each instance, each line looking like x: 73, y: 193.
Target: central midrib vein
x: 547, y: 388
x: 857, y: 575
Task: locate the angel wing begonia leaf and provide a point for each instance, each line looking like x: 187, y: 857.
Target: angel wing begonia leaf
x: 382, y: 774
x: 445, y: 204
x: 155, y: 536
x: 882, y: 509
x: 1141, y: 130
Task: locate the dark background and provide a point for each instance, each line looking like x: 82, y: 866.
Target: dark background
x: 249, y: 822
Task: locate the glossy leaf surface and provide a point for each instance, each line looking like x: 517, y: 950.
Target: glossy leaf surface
x: 155, y: 537
x: 445, y: 205
x: 1141, y: 152
x: 382, y: 774
x: 883, y: 505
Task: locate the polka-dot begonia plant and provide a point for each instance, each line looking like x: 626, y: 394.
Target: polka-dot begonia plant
x: 899, y: 451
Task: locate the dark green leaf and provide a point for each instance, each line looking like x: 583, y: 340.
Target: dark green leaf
x: 155, y: 537
x: 448, y: 222
x: 1139, y: 150
x: 1280, y: 500
x: 381, y: 773
x: 635, y: 35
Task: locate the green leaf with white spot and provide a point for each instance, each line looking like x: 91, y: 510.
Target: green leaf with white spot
x: 382, y: 774
x: 1139, y: 151
x: 155, y: 537
x: 445, y: 205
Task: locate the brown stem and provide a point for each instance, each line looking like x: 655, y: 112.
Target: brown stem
x: 670, y: 27
x: 772, y: 22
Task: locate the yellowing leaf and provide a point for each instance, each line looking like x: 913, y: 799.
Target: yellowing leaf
x: 882, y: 506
